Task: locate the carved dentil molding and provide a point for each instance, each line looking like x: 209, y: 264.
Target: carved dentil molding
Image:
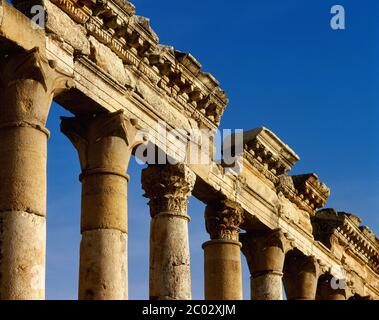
x: 267, y: 149
x: 223, y: 220
x: 168, y: 188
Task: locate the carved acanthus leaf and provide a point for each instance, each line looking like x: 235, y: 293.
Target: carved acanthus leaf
x: 223, y: 220
x: 168, y: 188
x: 32, y: 65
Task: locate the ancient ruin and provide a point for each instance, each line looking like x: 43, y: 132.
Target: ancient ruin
x: 104, y: 63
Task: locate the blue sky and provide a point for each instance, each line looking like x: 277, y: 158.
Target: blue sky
x: 284, y: 68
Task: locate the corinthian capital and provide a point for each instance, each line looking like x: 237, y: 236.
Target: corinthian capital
x: 223, y: 220
x: 32, y: 65
x: 29, y: 82
x: 168, y: 188
x: 265, y: 250
x: 93, y: 137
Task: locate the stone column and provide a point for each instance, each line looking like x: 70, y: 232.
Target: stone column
x: 168, y: 188
x: 325, y: 290
x: 222, y: 255
x: 265, y: 253
x: 104, y: 144
x: 300, y: 277
x: 28, y: 83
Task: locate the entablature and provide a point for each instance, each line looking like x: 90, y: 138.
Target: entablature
x: 178, y: 75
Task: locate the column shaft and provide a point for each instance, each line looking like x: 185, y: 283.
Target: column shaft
x: 103, y: 144
x: 223, y: 270
x: 267, y: 286
x: 27, y: 85
x: 23, y: 213
x: 170, y: 274
x: 103, y: 273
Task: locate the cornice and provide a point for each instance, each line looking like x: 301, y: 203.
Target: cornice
x: 176, y: 74
x: 309, y: 188
x: 264, y: 146
x: 272, y: 158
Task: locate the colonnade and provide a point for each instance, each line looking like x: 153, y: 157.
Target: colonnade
x: 105, y: 143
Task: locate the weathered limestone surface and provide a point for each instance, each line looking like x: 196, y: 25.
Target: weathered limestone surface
x: 107, y: 60
x: 353, y: 244
x: 267, y: 287
x: 104, y: 265
x: 17, y: 29
x: 22, y: 263
x: 168, y: 188
x: 61, y: 24
x: 104, y: 144
x: 222, y: 255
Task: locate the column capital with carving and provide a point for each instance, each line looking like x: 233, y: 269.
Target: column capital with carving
x: 223, y: 220
x: 28, y: 84
x: 104, y: 142
x: 168, y: 188
x: 265, y: 251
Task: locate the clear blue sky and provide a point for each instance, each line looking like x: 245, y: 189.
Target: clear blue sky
x: 283, y: 67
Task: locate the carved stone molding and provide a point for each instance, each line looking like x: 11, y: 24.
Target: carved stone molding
x: 306, y: 191
x: 163, y: 83
x: 168, y: 188
x: 264, y: 146
x: 311, y: 190
x: 272, y: 158
x: 223, y: 220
